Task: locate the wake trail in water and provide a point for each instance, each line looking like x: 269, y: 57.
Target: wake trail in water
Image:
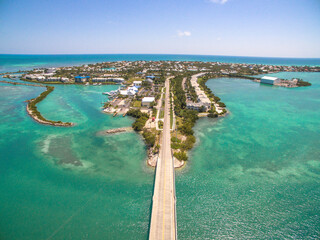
x: 72, y: 216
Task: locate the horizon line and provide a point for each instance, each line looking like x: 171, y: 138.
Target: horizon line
x: 154, y: 54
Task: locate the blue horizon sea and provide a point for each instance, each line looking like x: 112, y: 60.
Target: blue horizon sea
x: 254, y: 174
x: 14, y: 62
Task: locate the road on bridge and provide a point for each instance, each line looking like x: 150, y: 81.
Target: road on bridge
x: 163, y: 217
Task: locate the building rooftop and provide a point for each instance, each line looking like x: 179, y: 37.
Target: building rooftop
x: 270, y: 78
x: 148, y: 99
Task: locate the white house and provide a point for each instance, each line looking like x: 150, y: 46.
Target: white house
x: 117, y: 80
x: 146, y: 101
x: 137, y: 83
x: 131, y: 91
x: 270, y: 80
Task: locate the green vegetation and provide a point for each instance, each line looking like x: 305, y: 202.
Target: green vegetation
x: 161, y: 114
x: 149, y: 137
x: 213, y: 114
x: 181, y: 155
x: 188, y: 143
x: 179, y: 98
x: 242, y: 76
x: 136, y: 104
x: 175, y: 143
x: 141, y: 119
x: 34, y: 110
x: 187, y: 119
x: 302, y: 83
x: 154, y: 112
x: 221, y: 104
x: 171, y: 114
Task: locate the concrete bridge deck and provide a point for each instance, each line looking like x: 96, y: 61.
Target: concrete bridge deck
x: 163, y: 217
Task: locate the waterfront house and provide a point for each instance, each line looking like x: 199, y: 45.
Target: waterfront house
x: 53, y: 79
x: 270, y: 80
x: 41, y: 78
x: 81, y: 79
x: 194, y: 106
x: 65, y: 79
x: 100, y: 80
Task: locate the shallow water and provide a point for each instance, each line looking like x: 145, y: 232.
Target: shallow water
x: 255, y: 173
x: 46, y: 197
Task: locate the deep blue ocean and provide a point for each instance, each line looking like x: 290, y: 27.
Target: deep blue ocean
x: 23, y: 62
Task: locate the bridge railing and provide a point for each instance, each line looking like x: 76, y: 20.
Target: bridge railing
x: 174, y: 196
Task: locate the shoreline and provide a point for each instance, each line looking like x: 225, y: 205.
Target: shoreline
x: 36, y: 115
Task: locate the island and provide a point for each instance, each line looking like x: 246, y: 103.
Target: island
x: 142, y: 92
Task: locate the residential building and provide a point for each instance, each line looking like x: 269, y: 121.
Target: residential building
x: 147, y: 101
x: 81, y: 79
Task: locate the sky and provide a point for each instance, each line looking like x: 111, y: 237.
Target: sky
x: 265, y: 28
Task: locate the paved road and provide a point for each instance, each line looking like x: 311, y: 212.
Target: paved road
x: 163, y: 217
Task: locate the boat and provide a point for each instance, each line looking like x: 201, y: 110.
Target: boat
x: 111, y: 93
x: 87, y: 84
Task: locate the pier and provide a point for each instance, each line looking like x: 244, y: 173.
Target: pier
x: 163, y: 218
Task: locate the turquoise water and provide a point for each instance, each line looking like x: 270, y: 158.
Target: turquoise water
x: 256, y: 173
x: 107, y: 197
x: 14, y: 62
x: 253, y: 174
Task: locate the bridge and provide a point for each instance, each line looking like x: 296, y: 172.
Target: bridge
x: 163, y: 218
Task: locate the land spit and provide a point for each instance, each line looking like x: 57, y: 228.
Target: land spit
x: 25, y: 84
x: 114, y: 131
x: 47, y: 122
x: 36, y: 115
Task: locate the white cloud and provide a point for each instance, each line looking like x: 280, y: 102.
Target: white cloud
x: 218, y: 1
x: 184, y: 33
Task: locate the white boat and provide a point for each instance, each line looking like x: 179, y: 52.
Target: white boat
x: 87, y: 84
x: 111, y: 93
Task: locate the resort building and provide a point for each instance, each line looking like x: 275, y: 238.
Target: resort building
x: 194, y: 106
x: 53, y: 79
x: 64, y: 79
x: 146, y: 101
x: 137, y: 83
x: 131, y: 91
x: 41, y: 78
x: 117, y: 80
x: 100, y: 80
x: 270, y: 80
x: 81, y: 79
